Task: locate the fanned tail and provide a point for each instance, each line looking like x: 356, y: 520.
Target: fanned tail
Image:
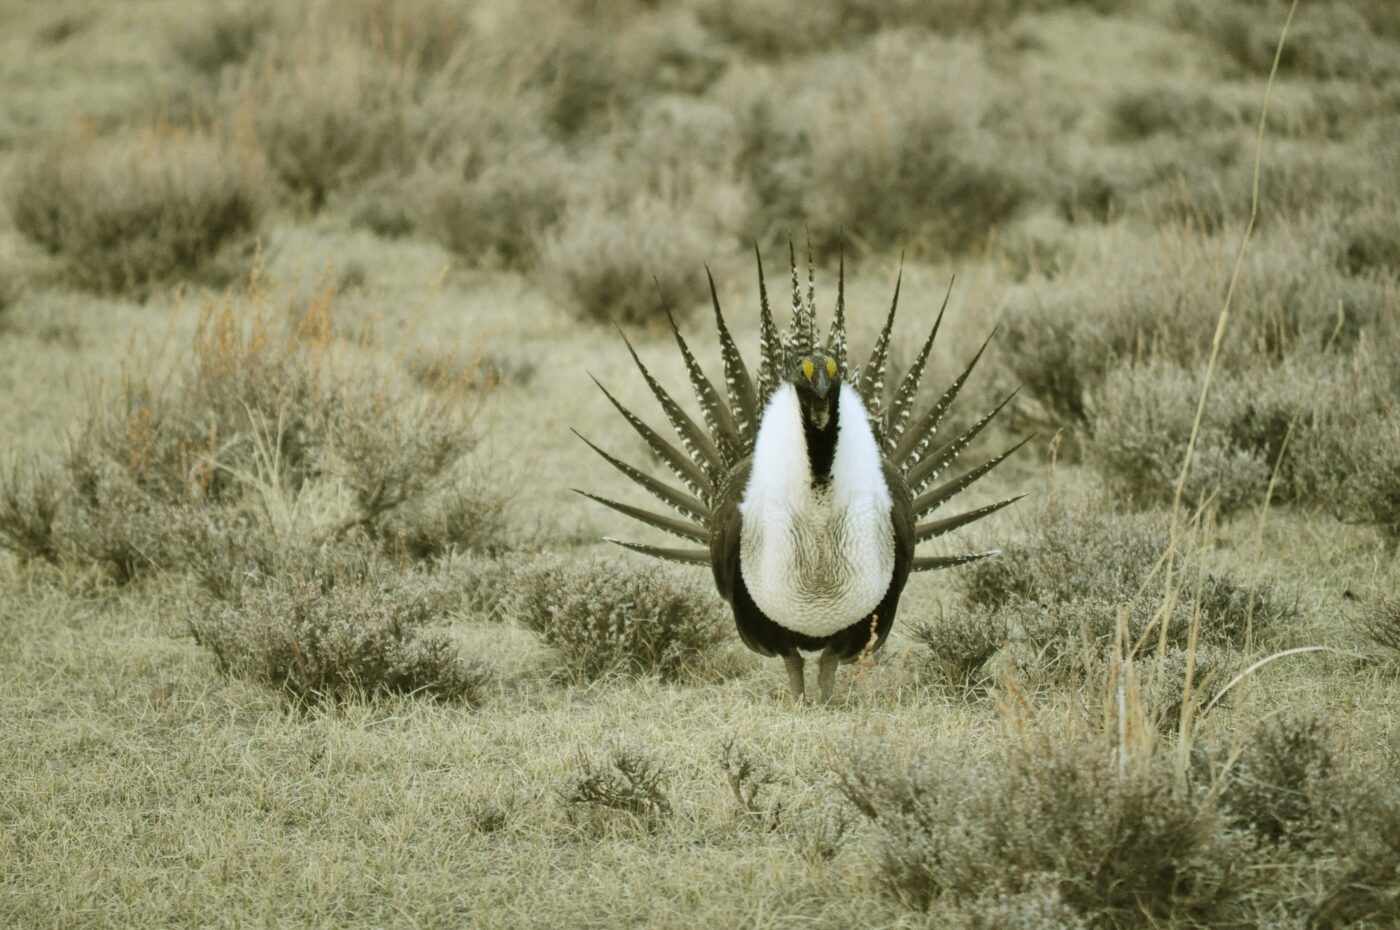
x: 684, y: 504
x: 742, y: 400
x: 679, y: 556
x: 929, y: 563
x: 696, y: 442
x: 800, y: 338
x: 872, y: 378
x: 926, y: 470
x: 908, y: 389
x: 662, y: 522
x: 930, y: 501
x: 676, y: 460
x: 715, y: 411
x: 913, y: 444
x: 770, y: 346
x: 836, y: 339
x: 706, y: 458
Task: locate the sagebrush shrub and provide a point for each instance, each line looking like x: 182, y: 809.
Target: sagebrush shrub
x: 1329, y: 40
x: 11, y: 288
x: 1050, y: 817
x: 1378, y: 620
x: 1365, y: 457
x: 1280, y: 787
x: 1143, y: 422
x: 1066, y: 335
x: 130, y: 211
x: 1081, y: 568
x: 389, y: 450
x: 256, y: 421
x: 30, y: 499
x: 1371, y: 241
x: 1141, y: 112
x: 329, y: 112
x: 892, y: 165
x: 598, y: 71
x: 1074, y: 550
x: 1361, y: 884
x: 621, y: 264
x: 497, y: 216
x: 221, y: 35
x: 605, y: 616
x: 629, y: 780
x: 322, y: 632
x: 960, y: 643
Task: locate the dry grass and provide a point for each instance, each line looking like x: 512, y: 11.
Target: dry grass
x: 394, y: 678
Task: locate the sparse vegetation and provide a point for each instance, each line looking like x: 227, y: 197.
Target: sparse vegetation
x: 604, y: 616
x: 245, y: 433
x: 128, y: 212
x: 329, y: 633
x: 628, y: 781
x: 598, y: 263
x: 960, y: 644
x: 302, y: 624
x: 1056, y: 819
x: 1379, y: 622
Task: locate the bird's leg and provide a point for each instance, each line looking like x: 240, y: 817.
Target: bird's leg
x: 796, y: 684
x: 826, y: 675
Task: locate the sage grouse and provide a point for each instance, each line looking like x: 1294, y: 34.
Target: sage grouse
x: 804, y: 489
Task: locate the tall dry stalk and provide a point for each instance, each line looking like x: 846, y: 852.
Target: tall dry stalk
x: 1123, y: 693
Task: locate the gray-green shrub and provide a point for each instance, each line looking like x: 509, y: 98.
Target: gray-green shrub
x: 1281, y: 786
x: 620, y: 264
x: 607, y: 616
x: 1115, y: 846
x: 880, y: 158
x: 1379, y: 622
x: 237, y: 435
x: 131, y: 211
x: 1081, y: 567
x: 961, y: 642
x: 329, y: 634
x: 220, y: 36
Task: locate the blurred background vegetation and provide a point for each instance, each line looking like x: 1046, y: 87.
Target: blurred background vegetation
x: 296, y: 305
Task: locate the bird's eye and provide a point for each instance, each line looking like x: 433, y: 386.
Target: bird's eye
x: 808, y: 369
x: 831, y: 368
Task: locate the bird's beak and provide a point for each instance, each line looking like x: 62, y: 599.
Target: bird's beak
x: 821, y: 385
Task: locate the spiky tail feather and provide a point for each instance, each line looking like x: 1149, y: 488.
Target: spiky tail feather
x: 731, y: 420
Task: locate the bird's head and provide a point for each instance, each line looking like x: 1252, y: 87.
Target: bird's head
x: 816, y: 378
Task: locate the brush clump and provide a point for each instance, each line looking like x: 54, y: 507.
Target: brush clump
x: 127, y: 212
x: 629, y: 780
x: 328, y: 627
x: 1051, y: 823
x: 608, y: 617
x: 253, y: 430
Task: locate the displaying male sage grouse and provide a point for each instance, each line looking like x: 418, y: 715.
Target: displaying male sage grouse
x: 804, y: 490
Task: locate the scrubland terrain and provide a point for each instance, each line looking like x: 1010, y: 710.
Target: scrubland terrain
x: 301, y: 624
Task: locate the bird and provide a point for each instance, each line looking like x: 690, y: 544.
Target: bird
x: 803, y: 487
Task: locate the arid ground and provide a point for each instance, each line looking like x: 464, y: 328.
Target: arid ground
x: 302, y: 625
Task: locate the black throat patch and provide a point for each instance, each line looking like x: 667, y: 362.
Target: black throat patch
x: 821, y: 443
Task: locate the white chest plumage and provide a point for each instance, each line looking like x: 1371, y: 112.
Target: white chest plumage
x: 816, y: 560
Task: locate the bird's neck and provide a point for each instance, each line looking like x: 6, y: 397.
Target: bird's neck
x: 821, y: 443
x: 792, y: 459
